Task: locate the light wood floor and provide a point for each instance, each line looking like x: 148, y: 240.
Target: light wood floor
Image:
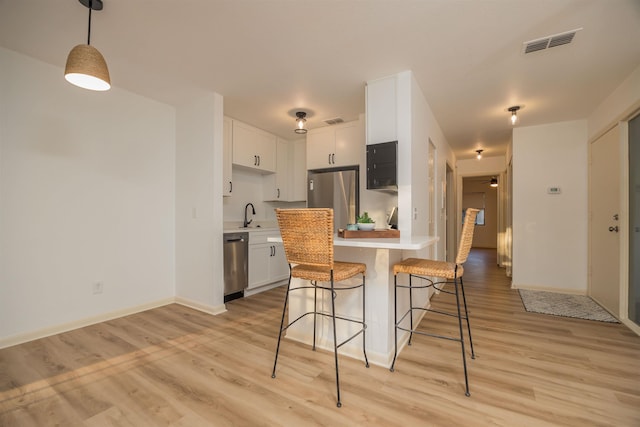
x: 178, y: 367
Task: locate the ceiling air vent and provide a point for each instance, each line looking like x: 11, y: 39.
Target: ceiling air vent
x: 334, y: 121
x: 550, y: 41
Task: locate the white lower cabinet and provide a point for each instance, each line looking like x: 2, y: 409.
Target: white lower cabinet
x: 267, y: 262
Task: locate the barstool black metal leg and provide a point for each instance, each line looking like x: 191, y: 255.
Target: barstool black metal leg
x: 464, y: 356
x: 395, y: 320
x: 466, y: 314
x: 315, y: 313
x: 335, y: 340
x: 284, y: 309
x: 410, y: 307
x: 364, y: 324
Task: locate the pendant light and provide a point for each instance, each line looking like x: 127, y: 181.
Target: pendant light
x: 86, y: 66
x: 479, y: 155
x: 493, y: 182
x: 300, y: 121
x: 514, y: 115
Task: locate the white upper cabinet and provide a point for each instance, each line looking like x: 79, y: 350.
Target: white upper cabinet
x: 298, y: 168
x: 382, y: 110
x: 275, y: 187
x: 227, y: 150
x: 333, y: 146
x: 253, y: 148
x: 288, y: 184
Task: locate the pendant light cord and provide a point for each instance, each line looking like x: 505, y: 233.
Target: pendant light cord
x: 89, y: 30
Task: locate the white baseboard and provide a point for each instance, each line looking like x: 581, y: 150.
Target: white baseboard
x: 80, y: 323
x: 629, y: 324
x: 205, y: 308
x: 572, y: 291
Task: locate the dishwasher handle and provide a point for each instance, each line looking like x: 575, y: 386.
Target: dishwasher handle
x: 236, y: 239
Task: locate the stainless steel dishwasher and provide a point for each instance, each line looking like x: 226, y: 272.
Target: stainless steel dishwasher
x: 236, y: 265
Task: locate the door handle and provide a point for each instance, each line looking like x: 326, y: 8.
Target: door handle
x: 613, y: 229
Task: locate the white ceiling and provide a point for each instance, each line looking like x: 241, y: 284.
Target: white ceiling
x: 271, y: 57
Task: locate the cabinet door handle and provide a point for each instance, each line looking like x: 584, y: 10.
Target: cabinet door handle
x: 329, y: 158
x: 258, y: 160
x: 278, y: 193
x: 230, y: 187
x: 255, y: 160
x: 333, y: 158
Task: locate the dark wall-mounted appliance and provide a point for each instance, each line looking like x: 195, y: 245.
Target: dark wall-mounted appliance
x: 382, y: 166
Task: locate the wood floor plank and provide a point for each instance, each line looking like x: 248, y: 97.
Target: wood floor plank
x: 175, y: 366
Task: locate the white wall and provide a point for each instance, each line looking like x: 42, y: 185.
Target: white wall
x: 87, y: 195
x: 425, y: 128
x: 199, y: 222
x: 413, y: 126
x: 618, y: 105
x: 550, y: 231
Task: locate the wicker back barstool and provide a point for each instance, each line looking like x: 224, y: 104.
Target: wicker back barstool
x: 307, y: 236
x: 428, y: 270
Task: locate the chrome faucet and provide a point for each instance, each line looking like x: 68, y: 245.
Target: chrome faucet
x: 253, y: 211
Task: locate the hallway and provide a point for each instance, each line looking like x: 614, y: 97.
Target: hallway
x: 175, y: 366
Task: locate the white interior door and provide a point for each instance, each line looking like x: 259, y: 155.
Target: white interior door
x: 604, y: 224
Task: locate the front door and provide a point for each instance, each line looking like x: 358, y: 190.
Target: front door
x: 604, y: 224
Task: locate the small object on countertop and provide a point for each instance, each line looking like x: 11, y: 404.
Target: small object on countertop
x: 366, y: 226
x: 352, y: 227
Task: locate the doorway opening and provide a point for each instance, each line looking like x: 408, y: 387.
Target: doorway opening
x: 477, y: 192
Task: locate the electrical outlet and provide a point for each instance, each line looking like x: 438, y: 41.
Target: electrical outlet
x: 98, y: 288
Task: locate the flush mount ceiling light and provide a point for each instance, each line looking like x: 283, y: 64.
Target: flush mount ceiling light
x: 86, y: 66
x: 300, y: 121
x: 493, y: 182
x: 479, y: 155
x: 514, y: 115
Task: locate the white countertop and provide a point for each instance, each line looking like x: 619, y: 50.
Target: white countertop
x: 406, y: 243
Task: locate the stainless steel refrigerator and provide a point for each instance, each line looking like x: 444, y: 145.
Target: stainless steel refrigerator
x: 336, y: 188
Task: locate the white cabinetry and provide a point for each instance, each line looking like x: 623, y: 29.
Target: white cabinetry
x: 339, y: 145
x: 298, y: 169
x: 288, y: 183
x: 227, y: 150
x: 382, y: 110
x: 253, y: 148
x: 267, y: 261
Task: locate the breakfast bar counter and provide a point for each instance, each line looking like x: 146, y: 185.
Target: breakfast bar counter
x: 379, y: 255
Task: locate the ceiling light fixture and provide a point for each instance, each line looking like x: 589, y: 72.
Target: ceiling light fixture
x: 493, y: 182
x: 479, y: 155
x: 514, y: 115
x: 300, y: 122
x: 86, y: 66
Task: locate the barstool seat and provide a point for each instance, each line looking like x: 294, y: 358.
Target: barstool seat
x: 341, y: 271
x: 427, y: 267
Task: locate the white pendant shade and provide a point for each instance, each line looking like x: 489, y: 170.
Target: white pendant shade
x: 87, y: 68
